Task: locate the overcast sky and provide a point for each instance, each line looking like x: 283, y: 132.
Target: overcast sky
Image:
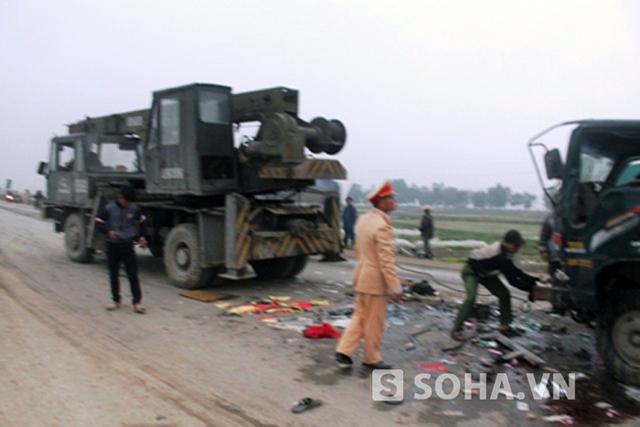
x: 429, y: 91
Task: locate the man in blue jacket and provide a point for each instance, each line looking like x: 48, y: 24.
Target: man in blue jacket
x: 122, y: 222
x: 349, y: 218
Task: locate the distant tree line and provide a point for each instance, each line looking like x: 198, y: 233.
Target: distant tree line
x: 440, y: 194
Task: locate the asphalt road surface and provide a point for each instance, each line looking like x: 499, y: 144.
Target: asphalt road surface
x: 66, y: 361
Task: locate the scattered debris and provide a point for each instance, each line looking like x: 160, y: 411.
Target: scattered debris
x: 632, y: 392
x: 205, y: 295
x: 517, y: 352
x: 453, y: 413
x: 341, y: 311
x: 541, y: 391
x: 272, y: 305
x: 603, y: 405
x: 421, y: 288
x: 298, y: 324
x: 339, y: 321
x: 563, y: 419
x: 433, y: 367
x: 522, y: 406
x: 507, y: 394
x: 306, y: 404
x: 324, y: 330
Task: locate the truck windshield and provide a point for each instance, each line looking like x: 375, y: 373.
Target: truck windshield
x: 595, y: 163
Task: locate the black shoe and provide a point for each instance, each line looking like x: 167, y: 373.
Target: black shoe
x: 458, y: 336
x: 510, y: 333
x: 379, y: 365
x: 343, y: 360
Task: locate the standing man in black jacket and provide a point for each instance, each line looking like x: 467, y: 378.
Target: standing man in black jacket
x: 426, y: 230
x: 122, y: 222
x: 484, y: 267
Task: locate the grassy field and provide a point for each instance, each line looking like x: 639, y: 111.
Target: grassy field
x: 485, y: 225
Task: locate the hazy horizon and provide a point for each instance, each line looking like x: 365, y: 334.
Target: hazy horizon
x: 429, y: 91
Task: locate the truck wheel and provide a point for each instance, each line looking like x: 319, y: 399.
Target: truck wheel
x: 279, y: 268
x: 182, y: 258
x: 619, y: 336
x: 299, y: 263
x: 75, y: 235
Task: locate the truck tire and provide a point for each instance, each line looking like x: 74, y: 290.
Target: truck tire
x: 618, y: 336
x: 279, y: 268
x: 298, y: 265
x: 75, y: 235
x: 182, y: 258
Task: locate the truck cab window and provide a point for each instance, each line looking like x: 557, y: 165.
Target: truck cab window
x: 630, y: 173
x: 214, y: 107
x: 66, y: 157
x: 170, y: 121
x: 119, y: 157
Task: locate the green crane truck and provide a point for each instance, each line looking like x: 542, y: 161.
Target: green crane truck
x: 595, y: 195
x: 217, y: 205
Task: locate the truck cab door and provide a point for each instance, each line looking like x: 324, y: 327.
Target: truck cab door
x: 164, y: 156
x: 63, y: 171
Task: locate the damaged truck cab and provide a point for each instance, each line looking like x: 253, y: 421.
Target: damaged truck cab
x: 216, y: 205
x: 596, y: 202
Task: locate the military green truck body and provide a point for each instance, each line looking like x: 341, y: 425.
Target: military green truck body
x: 596, y: 206
x: 217, y: 205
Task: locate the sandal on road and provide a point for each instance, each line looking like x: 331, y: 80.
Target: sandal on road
x: 306, y: 404
x: 139, y: 308
x: 113, y: 305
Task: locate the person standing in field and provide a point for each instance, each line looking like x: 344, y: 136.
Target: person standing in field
x: 427, y: 231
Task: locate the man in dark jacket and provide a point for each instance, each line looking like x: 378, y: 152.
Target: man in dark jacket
x: 484, y: 267
x: 426, y: 230
x: 122, y: 222
x: 349, y: 217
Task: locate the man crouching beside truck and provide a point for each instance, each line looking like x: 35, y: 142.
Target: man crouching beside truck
x: 484, y: 267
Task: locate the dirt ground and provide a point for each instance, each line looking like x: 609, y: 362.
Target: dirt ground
x: 66, y: 361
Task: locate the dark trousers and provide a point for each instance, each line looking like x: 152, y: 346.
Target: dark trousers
x: 553, y: 267
x: 349, y: 235
x: 124, y: 253
x: 494, y: 285
x: 428, y: 252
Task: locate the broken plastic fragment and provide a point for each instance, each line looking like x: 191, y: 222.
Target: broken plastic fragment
x: 433, y: 367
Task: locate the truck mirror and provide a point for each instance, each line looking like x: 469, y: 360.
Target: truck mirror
x: 43, y: 168
x: 553, y: 164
